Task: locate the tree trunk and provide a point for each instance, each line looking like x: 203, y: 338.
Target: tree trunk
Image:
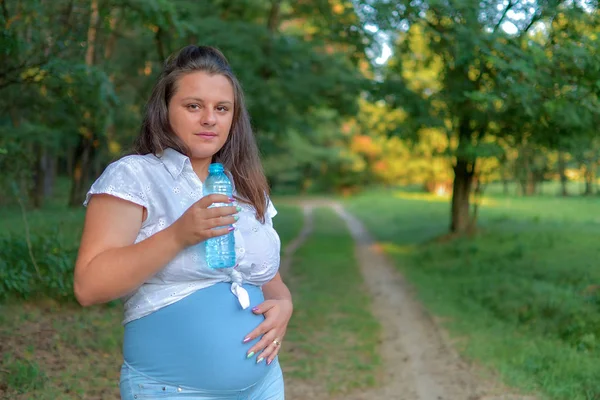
x: 70, y: 162
x: 36, y: 193
x: 84, y: 152
x: 530, y: 184
x: 91, y: 35
x: 160, y: 48
x: 477, y: 195
x: 562, y: 167
x: 528, y: 179
x: 589, y: 180
x: 83, y: 157
x: 273, y: 19
x: 461, y: 190
x: 112, y: 39
x: 50, y: 175
x: 266, y: 71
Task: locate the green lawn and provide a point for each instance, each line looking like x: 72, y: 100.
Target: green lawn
x: 332, y: 338
x: 58, y: 350
x: 521, y: 297
x: 55, y: 349
x: 54, y: 218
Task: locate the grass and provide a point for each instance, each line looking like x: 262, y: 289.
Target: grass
x: 53, y: 218
x: 54, y: 350
x: 58, y: 350
x: 522, y: 297
x: 332, y: 338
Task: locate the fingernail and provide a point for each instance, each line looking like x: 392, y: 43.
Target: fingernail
x: 231, y: 199
x: 238, y: 208
x: 250, y: 354
x: 246, y: 340
x: 259, y: 360
x: 269, y: 362
x: 231, y: 228
x: 236, y: 217
x: 255, y: 309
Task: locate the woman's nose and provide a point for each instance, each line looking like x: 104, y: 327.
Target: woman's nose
x: 208, y: 117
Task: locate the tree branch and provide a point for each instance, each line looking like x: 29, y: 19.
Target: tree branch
x: 23, y: 66
x: 534, y: 19
x: 506, y: 10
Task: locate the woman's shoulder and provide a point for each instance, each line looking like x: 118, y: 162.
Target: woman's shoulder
x: 130, y: 171
x: 126, y: 178
x: 136, y: 162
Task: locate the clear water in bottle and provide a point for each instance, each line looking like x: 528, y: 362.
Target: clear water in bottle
x: 220, y: 250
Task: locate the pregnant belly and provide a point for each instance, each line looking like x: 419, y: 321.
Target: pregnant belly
x: 197, y: 341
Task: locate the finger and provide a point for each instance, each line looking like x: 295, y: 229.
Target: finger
x: 260, y: 330
x: 264, y: 326
x: 219, y: 222
x: 208, y: 200
x: 211, y: 233
x: 273, y: 354
x: 264, y: 342
x: 269, y: 352
x: 217, y: 212
x: 264, y: 307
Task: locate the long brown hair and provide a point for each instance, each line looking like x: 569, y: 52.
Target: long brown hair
x: 239, y: 154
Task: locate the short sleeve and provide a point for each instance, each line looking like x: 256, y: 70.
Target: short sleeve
x: 271, y: 210
x: 119, y: 179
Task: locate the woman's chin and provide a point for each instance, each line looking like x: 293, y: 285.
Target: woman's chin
x: 203, y: 154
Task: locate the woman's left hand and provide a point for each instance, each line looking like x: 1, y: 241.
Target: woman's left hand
x: 277, y: 314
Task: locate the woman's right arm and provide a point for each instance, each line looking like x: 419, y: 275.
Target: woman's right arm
x: 109, y: 265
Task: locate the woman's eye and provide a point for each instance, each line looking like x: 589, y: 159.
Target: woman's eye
x: 222, y: 108
x: 194, y: 107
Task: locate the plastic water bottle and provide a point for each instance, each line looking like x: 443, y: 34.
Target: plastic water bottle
x: 220, y: 250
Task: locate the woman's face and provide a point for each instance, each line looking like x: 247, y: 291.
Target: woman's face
x: 201, y: 112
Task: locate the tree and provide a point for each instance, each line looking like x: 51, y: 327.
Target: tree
x: 493, y: 84
x: 72, y: 91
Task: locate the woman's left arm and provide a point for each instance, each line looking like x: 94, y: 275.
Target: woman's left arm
x: 277, y: 309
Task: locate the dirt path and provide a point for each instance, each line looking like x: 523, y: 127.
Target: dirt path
x: 419, y: 362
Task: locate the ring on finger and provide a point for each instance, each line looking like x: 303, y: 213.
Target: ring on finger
x: 276, y: 342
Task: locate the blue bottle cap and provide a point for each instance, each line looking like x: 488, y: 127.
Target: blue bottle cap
x: 215, y: 167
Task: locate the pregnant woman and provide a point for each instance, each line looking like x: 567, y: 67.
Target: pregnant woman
x: 190, y: 331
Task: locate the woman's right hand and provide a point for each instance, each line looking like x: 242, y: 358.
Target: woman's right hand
x: 197, y: 222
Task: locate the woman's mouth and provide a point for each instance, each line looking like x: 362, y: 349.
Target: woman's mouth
x: 206, y: 135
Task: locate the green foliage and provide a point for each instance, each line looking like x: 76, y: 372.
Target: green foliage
x: 19, y: 276
x: 84, y: 84
x: 510, y: 72
x: 315, y: 158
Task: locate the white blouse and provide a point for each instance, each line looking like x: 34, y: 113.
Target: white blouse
x: 167, y: 186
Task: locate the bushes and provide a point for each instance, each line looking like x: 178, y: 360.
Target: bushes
x: 19, y: 277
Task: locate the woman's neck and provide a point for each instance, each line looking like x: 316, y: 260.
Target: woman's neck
x: 200, y: 167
